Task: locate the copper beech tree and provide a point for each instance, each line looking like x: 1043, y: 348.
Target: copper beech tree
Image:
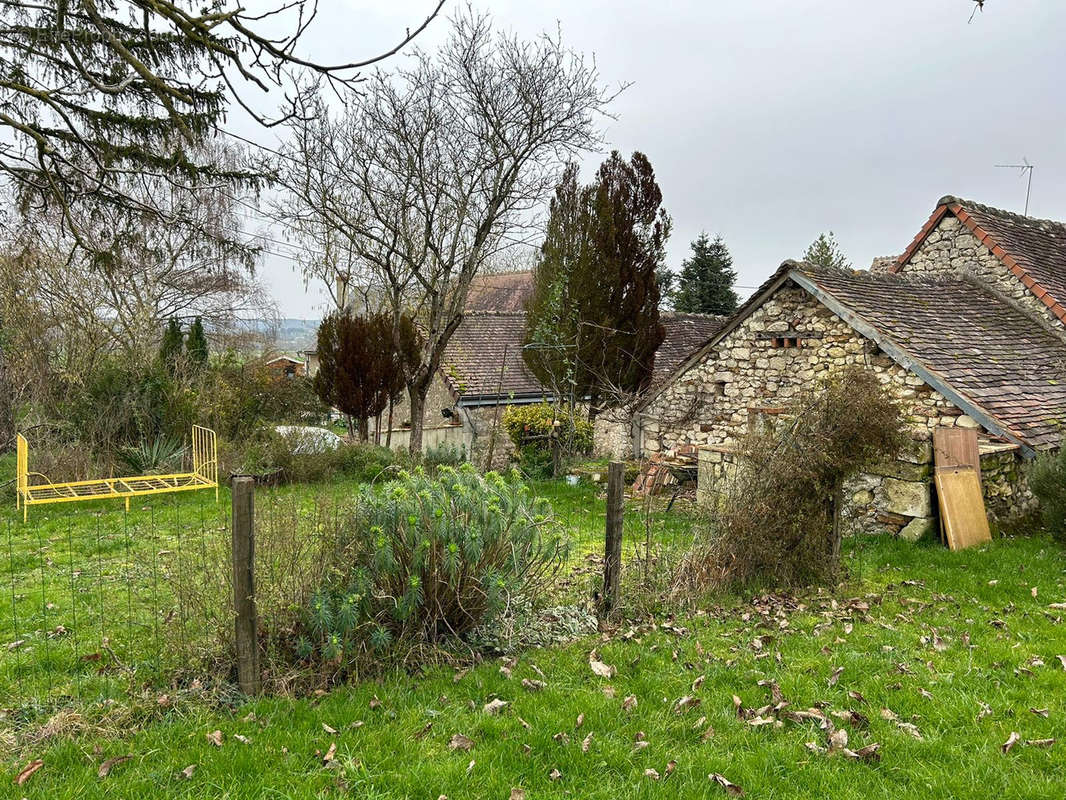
x: 360, y: 371
x: 437, y: 169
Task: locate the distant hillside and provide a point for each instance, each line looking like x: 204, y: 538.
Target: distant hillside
x: 289, y: 335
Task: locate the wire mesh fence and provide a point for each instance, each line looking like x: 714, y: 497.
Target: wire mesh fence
x: 91, y: 612
x: 101, y: 603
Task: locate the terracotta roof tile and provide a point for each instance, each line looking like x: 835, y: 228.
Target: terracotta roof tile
x: 986, y: 349
x: 500, y: 291
x: 484, y: 356
x: 684, y: 334
x: 1033, y: 249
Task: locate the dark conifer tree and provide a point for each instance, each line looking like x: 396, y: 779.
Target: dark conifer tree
x: 705, y: 285
x: 171, y: 346
x: 593, y: 322
x: 196, y: 344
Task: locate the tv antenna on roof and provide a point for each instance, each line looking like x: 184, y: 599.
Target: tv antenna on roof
x: 1025, y: 167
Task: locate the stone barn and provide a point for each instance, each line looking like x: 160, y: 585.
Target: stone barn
x: 965, y: 328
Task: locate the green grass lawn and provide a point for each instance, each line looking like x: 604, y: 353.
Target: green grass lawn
x: 959, y: 649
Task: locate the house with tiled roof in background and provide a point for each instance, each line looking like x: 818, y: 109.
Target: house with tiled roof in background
x: 483, y: 372
x: 965, y: 328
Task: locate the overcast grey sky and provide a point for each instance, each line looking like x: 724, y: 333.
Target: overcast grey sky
x: 769, y: 122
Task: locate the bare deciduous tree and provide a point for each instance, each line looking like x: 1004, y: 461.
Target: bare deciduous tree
x: 91, y: 92
x: 135, y: 273
x: 439, y: 167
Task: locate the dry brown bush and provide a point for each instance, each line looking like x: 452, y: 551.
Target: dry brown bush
x: 778, y: 521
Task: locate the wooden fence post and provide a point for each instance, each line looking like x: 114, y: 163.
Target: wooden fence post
x: 612, y: 550
x: 242, y: 489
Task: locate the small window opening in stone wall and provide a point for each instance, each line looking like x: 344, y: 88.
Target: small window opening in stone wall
x: 718, y: 390
x: 786, y: 341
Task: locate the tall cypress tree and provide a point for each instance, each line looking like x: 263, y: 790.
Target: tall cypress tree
x: 595, y: 309
x: 196, y: 344
x: 551, y: 312
x: 705, y: 285
x: 171, y: 346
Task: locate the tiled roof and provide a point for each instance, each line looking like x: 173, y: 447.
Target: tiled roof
x: 484, y: 356
x: 1032, y: 249
x: 684, y: 334
x: 500, y: 291
x: 986, y: 350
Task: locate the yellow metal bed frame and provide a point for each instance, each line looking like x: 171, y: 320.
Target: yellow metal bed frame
x: 204, y: 475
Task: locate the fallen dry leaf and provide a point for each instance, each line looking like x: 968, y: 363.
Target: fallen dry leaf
x: 242, y: 739
x: 188, y: 771
x: 460, y: 742
x: 424, y: 730
x: 670, y: 767
x: 561, y: 738
x: 555, y: 774
x: 533, y: 686
x: 986, y: 711
x: 1011, y: 741
x: 374, y: 702
x: 836, y: 676
x: 1039, y: 742
x: 495, y: 706
x: 738, y: 706
x: 759, y: 721
x: 586, y: 742
x: 329, y: 729
x: 330, y: 754
x: 1062, y: 660
x: 651, y: 773
x: 685, y: 703
x: 517, y: 793
x: 731, y: 788
x: 1040, y: 712
x: 907, y: 727
x: 105, y: 768
x: 28, y: 770
x: 707, y: 734
x: 599, y: 668
x: 470, y: 767
x: 580, y: 721
x: 871, y: 752
x: 629, y: 703
x: 215, y: 737
x: 838, y: 739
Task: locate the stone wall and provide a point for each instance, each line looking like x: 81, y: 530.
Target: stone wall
x: 487, y: 433
x: 1005, y: 484
x: 613, y: 434
x: 952, y: 248
x: 751, y: 376
x: 438, y: 397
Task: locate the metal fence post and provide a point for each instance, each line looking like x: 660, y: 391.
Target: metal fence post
x: 244, y: 614
x: 612, y: 551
